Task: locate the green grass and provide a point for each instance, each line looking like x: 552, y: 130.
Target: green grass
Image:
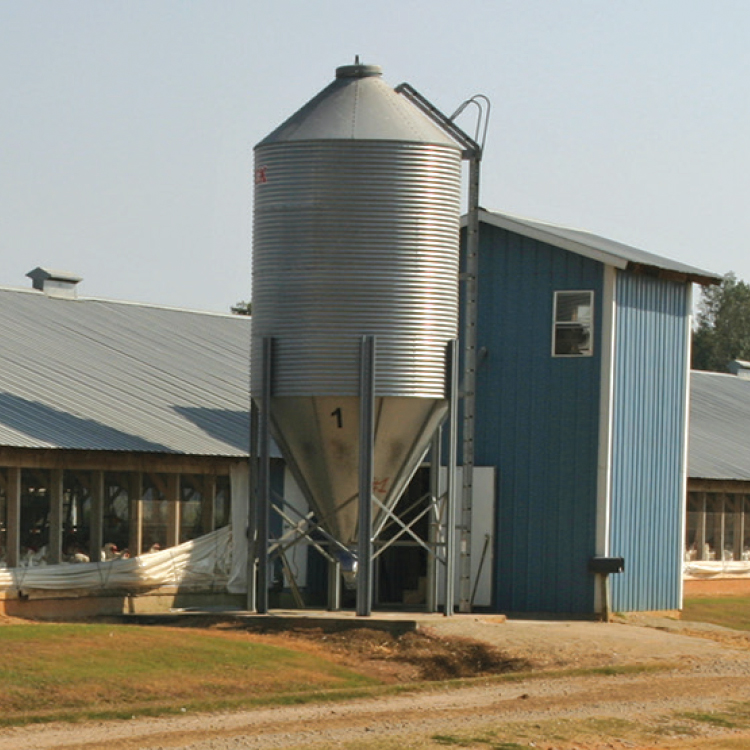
x: 71, y: 672
x: 735, y: 716
x: 728, y: 611
x: 451, y: 741
x: 720, y: 730
x: 52, y: 672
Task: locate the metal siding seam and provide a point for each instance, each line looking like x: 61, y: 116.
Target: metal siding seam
x: 627, y: 406
x: 494, y: 261
x: 518, y: 481
x: 620, y: 530
x: 555, y: 562
x: 552, y: 561
x: 519, y: 488
x: 670, y: 515
x: 686, y: 437
x: 523, y: 499
x: 653, y: 339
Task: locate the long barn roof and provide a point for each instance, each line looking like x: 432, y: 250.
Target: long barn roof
x: 719, y: 426
x: 92, y: 374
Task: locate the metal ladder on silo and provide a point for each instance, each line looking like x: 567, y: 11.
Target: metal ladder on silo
x: 472, y: 152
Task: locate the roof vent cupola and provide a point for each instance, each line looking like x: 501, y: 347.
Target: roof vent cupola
x: 55, y: 283
x: 740, y: 368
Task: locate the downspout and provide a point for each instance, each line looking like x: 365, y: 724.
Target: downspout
x: 606, y: 404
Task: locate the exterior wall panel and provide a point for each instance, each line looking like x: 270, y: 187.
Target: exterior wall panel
x: 649, y: 423
x: 537, y: 422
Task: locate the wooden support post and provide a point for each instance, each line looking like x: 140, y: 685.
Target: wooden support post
x: 172, y: 496
x: 13, y: 497
x: 739, y: 531
x: 159, y: 483
x: 96, y: 529
x: 3, y: 517
x: 55, y: 544
x: 208, y: 503
x: 135, y: 495
x: 606, y: 607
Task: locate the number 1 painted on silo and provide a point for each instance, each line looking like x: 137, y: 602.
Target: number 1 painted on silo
x: 337, y: 413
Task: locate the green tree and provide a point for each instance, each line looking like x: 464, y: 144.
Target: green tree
x: 722, y: 330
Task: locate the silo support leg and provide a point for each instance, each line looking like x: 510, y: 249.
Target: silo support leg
x: 366, y: 460
x: 433, y: 529
x: 264, y: 479
x: 252, y: 512
x: 450, y: 512
x: 334, y: 585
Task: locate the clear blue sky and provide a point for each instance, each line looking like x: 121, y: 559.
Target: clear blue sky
x: 127, y: 126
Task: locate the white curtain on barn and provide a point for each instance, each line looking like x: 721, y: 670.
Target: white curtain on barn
x: 202, y: 563
x: 239, y: 477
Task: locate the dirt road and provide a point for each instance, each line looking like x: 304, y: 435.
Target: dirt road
x: 668, y: 704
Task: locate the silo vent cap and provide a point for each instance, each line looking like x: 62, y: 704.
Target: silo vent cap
x: 54, y: 283
x: 358, y: 70
x: 740, y: 367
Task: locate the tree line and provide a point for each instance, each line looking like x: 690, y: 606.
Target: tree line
x: 722, y: 325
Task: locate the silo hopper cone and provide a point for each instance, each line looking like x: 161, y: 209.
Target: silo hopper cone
x: 319, y: 437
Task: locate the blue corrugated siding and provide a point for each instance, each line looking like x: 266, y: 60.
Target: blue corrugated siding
x: 649, y: 425
x: 537, y: 422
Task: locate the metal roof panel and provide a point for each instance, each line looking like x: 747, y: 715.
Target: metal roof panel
x: 598, y: 248
x: 93, y: 374
x: 719, y: 426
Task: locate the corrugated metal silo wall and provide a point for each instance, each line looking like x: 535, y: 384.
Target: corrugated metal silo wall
x: 537, y: 422
x: 649, y: 424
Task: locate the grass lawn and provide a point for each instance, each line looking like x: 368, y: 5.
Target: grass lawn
x: 55, y: 671
x: 729, y: 611
x: 673, y: 731
x: 73, y: 672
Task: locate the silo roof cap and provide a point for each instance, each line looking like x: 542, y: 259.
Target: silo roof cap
x: 358, y: 71
x: 359, y: 105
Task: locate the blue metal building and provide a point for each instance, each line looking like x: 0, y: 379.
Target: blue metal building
x: 582, y: 383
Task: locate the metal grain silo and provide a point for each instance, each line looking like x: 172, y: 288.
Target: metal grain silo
x: 356, y: 226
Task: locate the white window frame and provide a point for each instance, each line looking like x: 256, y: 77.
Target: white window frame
x: 558, y: 325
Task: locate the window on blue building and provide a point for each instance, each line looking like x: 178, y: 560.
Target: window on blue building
x: 572, y: 331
